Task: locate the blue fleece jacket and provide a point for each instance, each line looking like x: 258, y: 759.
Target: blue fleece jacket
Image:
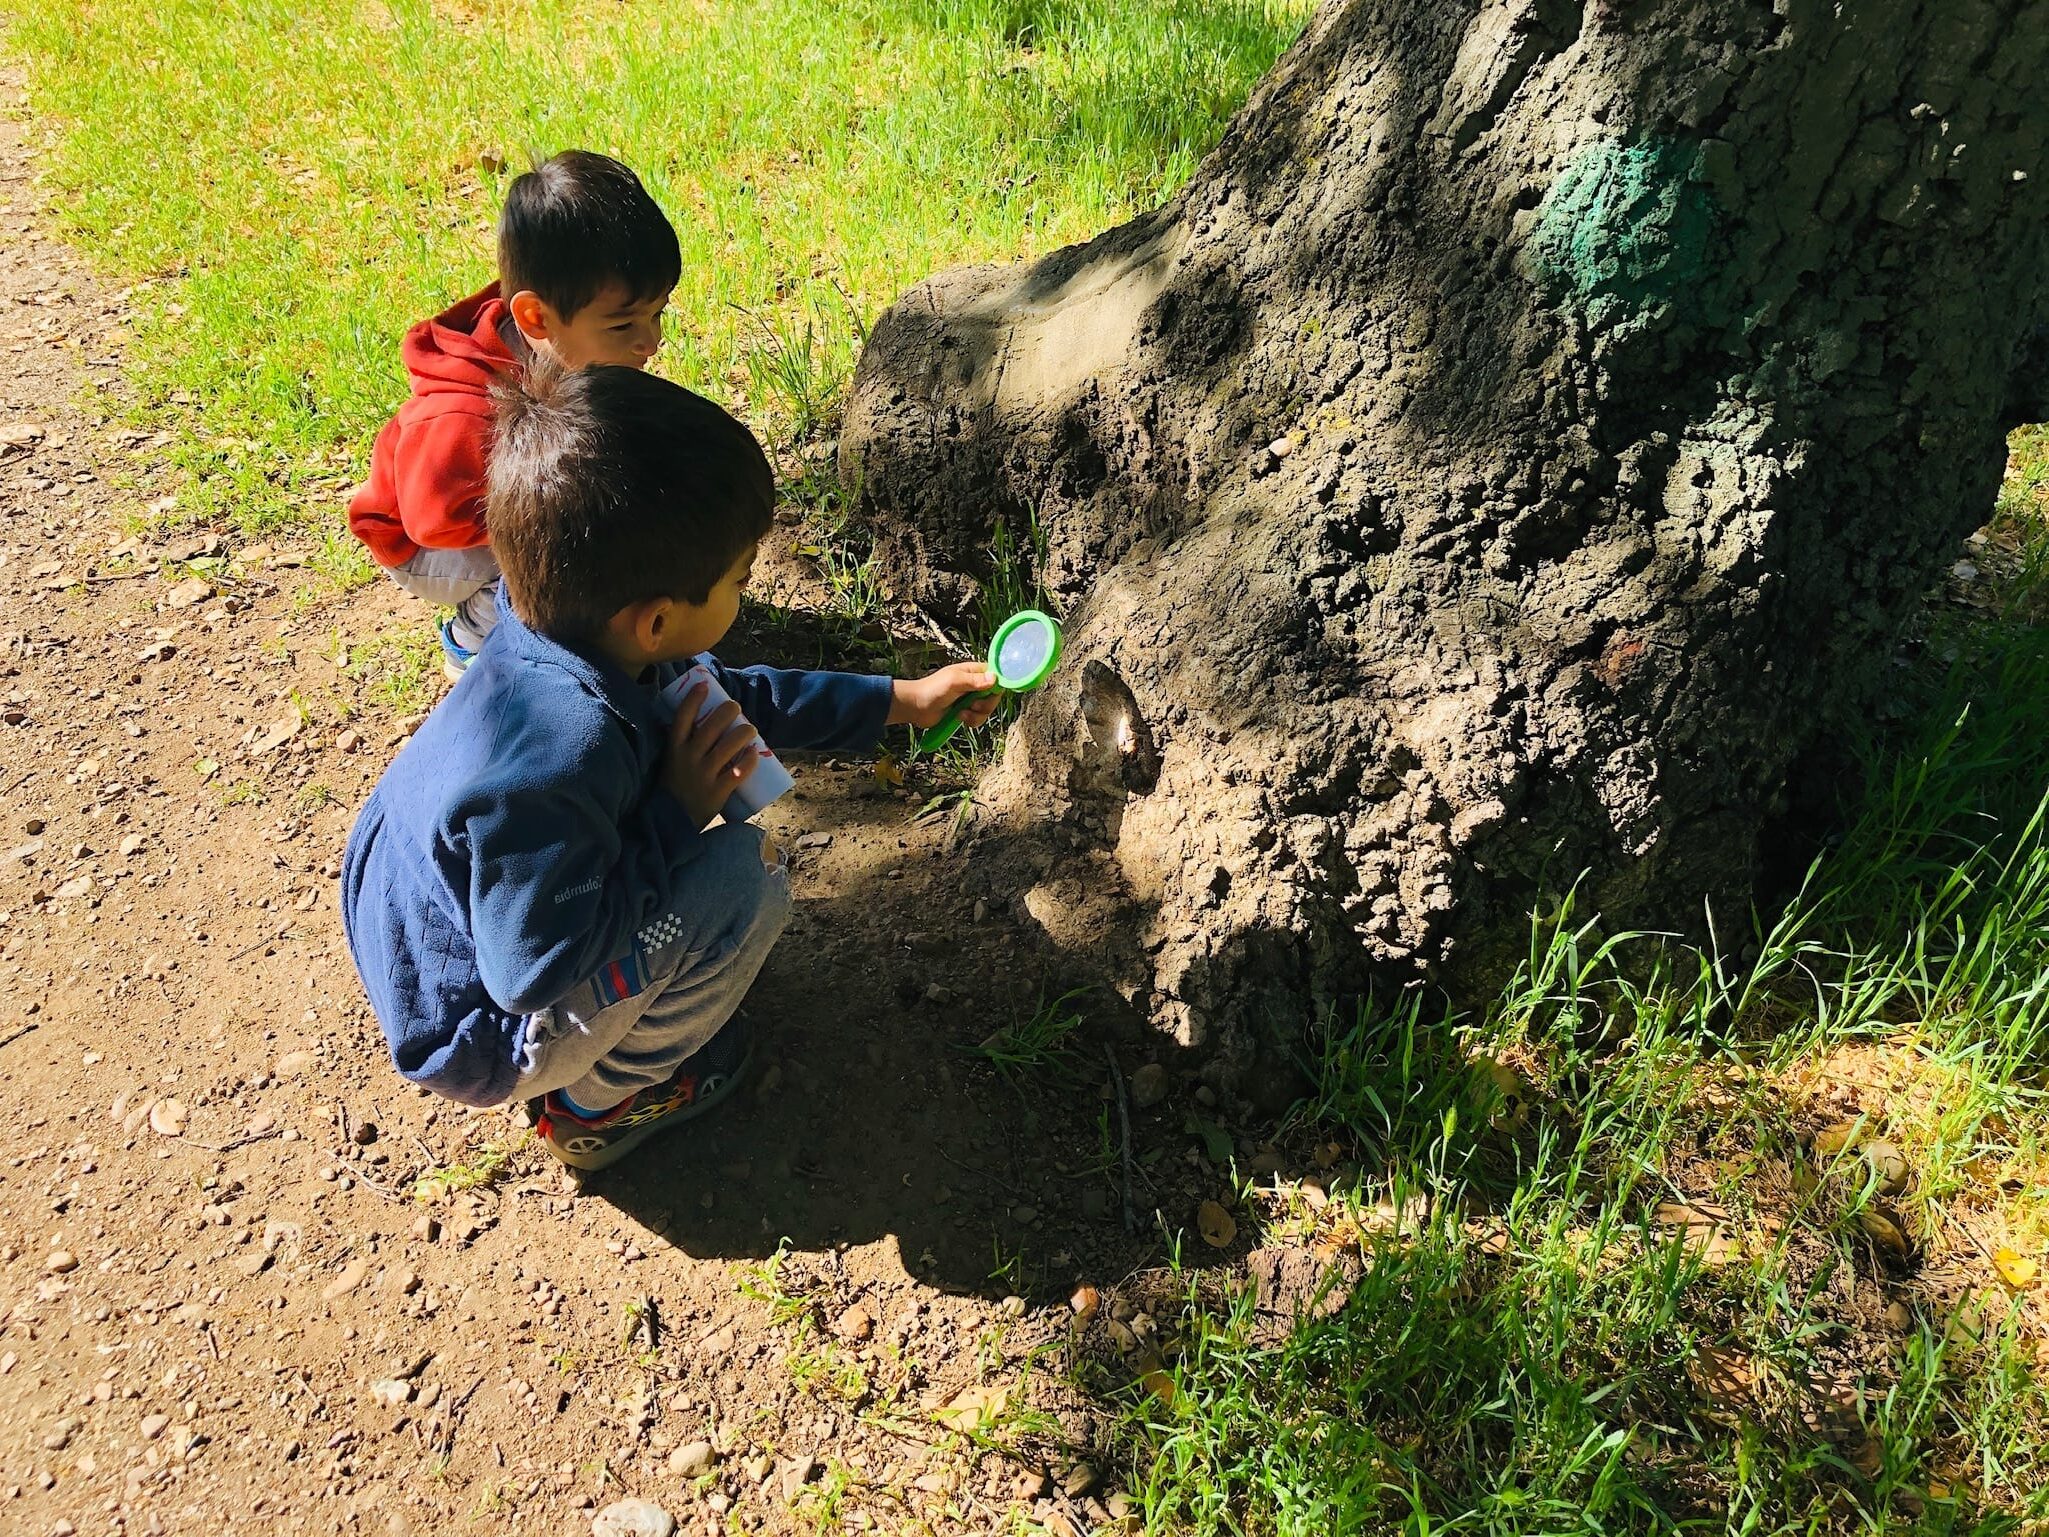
x: 520, y: 841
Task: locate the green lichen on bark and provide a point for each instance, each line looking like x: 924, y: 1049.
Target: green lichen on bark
x: 1630, y: 229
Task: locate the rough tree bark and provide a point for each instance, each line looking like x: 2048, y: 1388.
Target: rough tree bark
x: 1522, y: 438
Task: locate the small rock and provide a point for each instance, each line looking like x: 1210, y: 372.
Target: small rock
x: 1889, y: 1164
x: 34, y: 827
x: 632, y: 1518
x: 296, y: 1064
x: 350, y: 740
x: 1078, y: 1480
x: 153, y: 1425
x: 1034, y: 1486
x: 1899, y: 1316
x: 253, y: 1265
x: 167, y: 1118
x: 61, y: 1262
x: 391, y: 1392
x: 856, y: 1324
x: 365, y: 1133
x: 1095, y: 1204
x: 130, y: 844
x: 815, y: 841
x: 758, y: 1468
x: 347, y: 1279
x: 1024, y: 1216
x: 981, y: 909
x: 188, y: 592
x: 1149, y: 1086
x: 693, y: 1459
x: 426, y: 1229
x: 796, y: 1474
x: 1280, y: 448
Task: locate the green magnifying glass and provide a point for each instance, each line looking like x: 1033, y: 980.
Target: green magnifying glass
x: 1023, y: 654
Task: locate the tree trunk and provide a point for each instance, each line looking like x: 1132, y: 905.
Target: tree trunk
x: 1523, y: 437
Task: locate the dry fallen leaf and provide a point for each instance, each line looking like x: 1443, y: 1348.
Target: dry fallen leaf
x: 2016, y: 1270
x: 973, y: 1407
x: 1511, y: 1094
x: 1834, y: 1140
x: 1706, y: 1231
x: 1085, y: 1301
x: 1158, y: 1381
x: 887, y: 772
x: 1217, y: 1226
x: 1722, y: 1378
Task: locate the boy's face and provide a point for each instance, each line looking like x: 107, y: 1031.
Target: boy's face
x: 695, y: 627
x: 613, y: 328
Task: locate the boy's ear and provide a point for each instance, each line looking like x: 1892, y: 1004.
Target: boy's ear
x: 647, y: 624
x: 531, y: 314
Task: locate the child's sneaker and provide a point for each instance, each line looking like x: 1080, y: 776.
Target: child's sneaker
x: 706, y: 1078
x: 455, y: 659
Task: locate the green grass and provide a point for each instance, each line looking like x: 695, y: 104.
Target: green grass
x: 294, y: 185
x: 1039, y: 1044
x: 1530, y: 1348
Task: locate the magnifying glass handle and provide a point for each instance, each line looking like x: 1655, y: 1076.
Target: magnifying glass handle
x: 939, y: 735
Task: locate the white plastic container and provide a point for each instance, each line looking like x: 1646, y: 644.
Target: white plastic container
x: 767, y: 782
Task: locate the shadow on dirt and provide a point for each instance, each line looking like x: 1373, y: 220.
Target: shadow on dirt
x: 875, y: 1112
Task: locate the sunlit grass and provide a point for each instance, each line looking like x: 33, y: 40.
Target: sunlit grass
x: 294, y: 185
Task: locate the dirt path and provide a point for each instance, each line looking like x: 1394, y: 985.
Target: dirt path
x: 223, y: 1307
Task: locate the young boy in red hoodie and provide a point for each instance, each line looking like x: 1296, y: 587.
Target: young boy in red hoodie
x: 586, y: 263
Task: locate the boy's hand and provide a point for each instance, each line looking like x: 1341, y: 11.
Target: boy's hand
x: 707, y: 758
x: 925, y: 701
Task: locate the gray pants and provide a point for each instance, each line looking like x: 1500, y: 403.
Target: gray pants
x: 633, y: 1024
x: 466, y: 580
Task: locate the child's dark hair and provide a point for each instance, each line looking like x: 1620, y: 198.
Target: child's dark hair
x: 577, y: 222
x: 610, y: 486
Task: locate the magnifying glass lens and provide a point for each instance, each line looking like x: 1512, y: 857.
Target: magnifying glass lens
x: 1024, y: 651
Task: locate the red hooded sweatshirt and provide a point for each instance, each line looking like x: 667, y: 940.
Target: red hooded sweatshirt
x: 426, y: 485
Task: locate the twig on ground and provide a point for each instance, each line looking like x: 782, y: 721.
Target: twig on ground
x: 232, y: 1144
x: 13, y: 1036
x: 356, y: 1170
x: 1124, y: 1136
x: 268, y: 939
x: 978, y: 1173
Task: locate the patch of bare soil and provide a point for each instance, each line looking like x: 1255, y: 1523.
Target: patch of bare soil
x: 251, y: 1281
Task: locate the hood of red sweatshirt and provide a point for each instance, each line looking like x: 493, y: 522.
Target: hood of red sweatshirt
x: 460, y: 351
x: 428, y: 465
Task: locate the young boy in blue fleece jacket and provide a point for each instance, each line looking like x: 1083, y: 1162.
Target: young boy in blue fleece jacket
x: 532, y: 896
